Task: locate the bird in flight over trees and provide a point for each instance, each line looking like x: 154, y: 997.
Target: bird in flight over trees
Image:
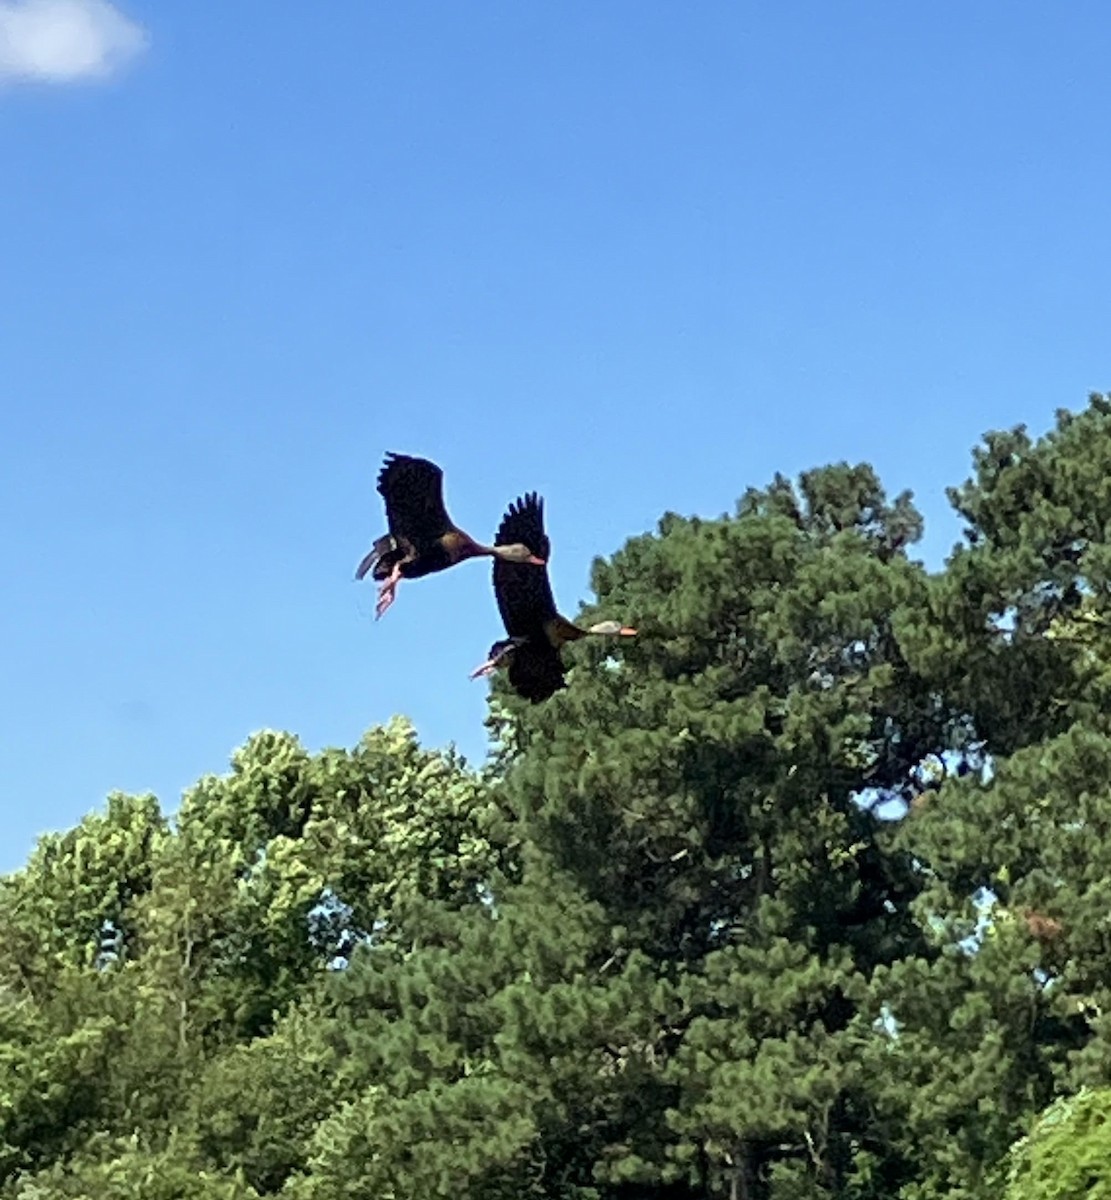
x: 536, y: 629
x: 422, y: 538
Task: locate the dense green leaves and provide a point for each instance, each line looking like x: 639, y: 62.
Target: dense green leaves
x: 803, y: 892
x: 1068, y: 1152
x: 142, y: 959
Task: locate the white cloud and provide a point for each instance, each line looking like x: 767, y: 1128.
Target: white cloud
x: 62, y: 41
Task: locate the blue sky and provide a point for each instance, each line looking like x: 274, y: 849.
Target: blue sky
x: 637, y: 256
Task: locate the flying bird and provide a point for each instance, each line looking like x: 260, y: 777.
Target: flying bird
x: 422, y: 538
x: 536, y: 629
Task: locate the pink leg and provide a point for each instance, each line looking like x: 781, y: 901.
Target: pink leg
x: 386, y: 592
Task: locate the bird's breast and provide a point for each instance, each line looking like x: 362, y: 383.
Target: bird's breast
x: 428, y: 562
x: 457, y: 546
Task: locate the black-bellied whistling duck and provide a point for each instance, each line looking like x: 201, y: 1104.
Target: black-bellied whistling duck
x: 535, y: 627
x: 422, y: 539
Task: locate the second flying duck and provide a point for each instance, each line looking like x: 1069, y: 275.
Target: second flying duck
x: 524, y: 594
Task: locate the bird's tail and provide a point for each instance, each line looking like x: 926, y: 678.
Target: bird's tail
x: 380, y: 560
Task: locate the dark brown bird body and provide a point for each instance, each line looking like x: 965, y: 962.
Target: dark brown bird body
x: 422, y: 538
x: 528, y: 610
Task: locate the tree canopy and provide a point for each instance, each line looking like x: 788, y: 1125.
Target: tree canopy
x: 803, y: 892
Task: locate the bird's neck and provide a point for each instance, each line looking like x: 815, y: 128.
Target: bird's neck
x: 466, y: 547
x: 561, y: 630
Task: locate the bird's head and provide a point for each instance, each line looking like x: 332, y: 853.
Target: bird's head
x: 518, y: 553
x: 613, y: 627
x: 500, y: 654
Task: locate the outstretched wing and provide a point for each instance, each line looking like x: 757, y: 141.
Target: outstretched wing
x: 413, y: 489
x: 523, y: 591
x: 536, y: 670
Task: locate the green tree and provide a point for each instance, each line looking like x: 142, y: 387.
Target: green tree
x: 257, y: 1105
x: 1067, y: 1154
x: 705, y: 891
x: 801, y: 893
x: 1011, y: 855
x: 1036, y: 561
x: 712, y: 792
x: 143, y: 958
x: 123, y: 1170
